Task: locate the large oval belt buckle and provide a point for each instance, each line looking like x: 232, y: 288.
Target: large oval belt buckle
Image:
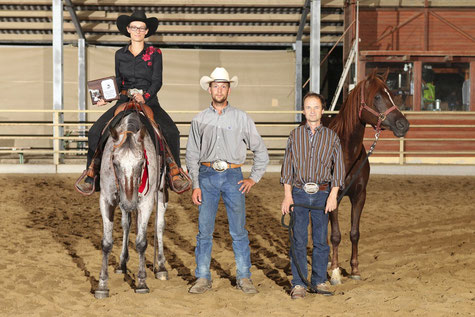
x: 310, y: 188
x: 220, y: 166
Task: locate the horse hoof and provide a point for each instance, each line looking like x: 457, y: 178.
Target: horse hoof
x: 335, y: 282
x: 355, y: 277
x: 120, y: 271
x: 99, y: 294
x: 163, y: 276
x: 142, y: 290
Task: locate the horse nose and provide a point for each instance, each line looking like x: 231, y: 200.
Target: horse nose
x: 402, y: 124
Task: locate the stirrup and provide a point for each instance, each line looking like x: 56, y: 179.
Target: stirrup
x: 76, y: 185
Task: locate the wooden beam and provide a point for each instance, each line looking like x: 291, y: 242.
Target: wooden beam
x: 417, y: 53
x: 472, y: 86
x: 416, y: 101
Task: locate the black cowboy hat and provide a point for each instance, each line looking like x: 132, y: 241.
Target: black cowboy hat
x: 124, y: 20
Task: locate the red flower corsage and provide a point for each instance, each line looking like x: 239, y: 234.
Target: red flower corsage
x: 149, y: 63
x: 146, y: 95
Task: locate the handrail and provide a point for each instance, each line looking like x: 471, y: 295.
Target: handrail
x: 401, y: 154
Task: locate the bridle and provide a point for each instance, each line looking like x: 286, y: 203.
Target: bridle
x: 144, y: 167
x: 381, y: 115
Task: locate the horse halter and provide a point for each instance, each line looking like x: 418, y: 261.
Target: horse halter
x: 382, y: 115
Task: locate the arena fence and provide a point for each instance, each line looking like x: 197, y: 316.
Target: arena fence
x: 434, y: 137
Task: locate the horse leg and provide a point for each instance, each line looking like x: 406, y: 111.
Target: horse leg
x: 357, y: 203
x: 143, y: 214
x: 124, y: 255
x: 160, y: 272
x: 107, y: 212
x: 335, y: 239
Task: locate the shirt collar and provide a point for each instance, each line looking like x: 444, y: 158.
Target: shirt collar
x: 317, y: 130
x: 225, y: 109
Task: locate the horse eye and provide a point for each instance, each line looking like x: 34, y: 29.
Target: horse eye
x: 377, y: 97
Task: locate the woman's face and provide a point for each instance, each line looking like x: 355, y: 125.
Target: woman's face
x: 137, y: 30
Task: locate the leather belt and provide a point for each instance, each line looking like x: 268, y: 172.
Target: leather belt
x: 312, y: 188
x: 219, y: 165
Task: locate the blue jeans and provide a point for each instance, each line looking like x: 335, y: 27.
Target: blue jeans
x: 319, y: 236
x: 213, y: 185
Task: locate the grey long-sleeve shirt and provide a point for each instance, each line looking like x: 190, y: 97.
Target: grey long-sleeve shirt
x: 225, y: 136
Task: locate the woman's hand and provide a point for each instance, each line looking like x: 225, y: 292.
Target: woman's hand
x: 101, y: 102
x: 139, y: 98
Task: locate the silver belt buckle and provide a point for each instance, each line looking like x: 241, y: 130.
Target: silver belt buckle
x: 132, y: 91
x: 219, y: 165
x: 310, y: 188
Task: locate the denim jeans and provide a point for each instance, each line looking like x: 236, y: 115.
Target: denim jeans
x: 213, y: 185
x: 319, y: 236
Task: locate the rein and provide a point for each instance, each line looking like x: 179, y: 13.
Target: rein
x: 381, y: 115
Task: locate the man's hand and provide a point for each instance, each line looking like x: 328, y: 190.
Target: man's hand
x: 288, y: 200
x: 196, y: 196
x: 246, y: 185
x: 332, y: 200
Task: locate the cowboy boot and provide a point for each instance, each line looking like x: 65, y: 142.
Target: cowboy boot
x: 177, y: 181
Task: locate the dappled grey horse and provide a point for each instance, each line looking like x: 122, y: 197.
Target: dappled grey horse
x: 131, y: 179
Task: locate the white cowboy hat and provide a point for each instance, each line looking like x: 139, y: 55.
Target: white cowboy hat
x: 219, y: 74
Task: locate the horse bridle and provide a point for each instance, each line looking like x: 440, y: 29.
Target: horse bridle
x: 381, y: 115
x: 125, y: 133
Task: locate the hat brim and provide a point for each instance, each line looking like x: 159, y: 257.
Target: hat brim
x: 124, y: 20
x: 206, y: 80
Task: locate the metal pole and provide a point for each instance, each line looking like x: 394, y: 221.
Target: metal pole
x: 58, y: 77
x: 298, y: 80
x: 82, y: 86
x: 315, y: 46
x: 357, y: 39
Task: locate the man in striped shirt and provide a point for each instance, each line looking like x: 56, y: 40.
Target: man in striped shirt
x: 312, y: 173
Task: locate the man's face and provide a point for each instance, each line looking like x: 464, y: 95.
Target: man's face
x: 219, y: 91
x: 313, y: 109
x: 137, y: 30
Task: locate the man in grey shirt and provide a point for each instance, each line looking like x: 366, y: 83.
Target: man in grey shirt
x: 217, y: 145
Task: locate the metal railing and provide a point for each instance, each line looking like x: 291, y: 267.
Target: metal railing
x: 399, y: 155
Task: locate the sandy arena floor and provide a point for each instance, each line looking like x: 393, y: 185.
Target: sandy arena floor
x: 416, y: 254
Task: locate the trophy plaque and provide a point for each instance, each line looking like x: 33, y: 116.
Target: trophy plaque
x: 103, y: 88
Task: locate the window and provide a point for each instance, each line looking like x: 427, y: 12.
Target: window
x: 445, y: 87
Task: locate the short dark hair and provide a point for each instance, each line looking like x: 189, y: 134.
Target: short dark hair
x: 312, y: 94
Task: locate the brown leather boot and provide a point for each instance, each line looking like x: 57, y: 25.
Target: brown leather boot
x: 179, y: 181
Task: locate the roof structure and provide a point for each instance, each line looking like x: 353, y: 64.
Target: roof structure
x: 182, y: 22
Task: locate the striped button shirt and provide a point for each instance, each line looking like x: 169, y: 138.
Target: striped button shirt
x: 313, y: 157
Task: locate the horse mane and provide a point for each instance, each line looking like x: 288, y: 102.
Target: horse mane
x: 347, y: 118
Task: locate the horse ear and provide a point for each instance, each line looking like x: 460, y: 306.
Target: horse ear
x: 114, y: 134
x: 143, y: 130
x: 385, y: 75
x: 373, y: 74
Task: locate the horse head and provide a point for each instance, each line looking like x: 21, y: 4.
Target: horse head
x: 128, y: 159
x: 376, y: 106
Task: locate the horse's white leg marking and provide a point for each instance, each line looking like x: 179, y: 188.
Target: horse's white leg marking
x: 336, y: 276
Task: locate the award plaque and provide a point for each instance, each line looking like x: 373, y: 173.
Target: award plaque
x: 103, y: 88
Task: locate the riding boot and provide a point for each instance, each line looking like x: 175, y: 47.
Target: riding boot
x: 91, y: 183
x: 178, y: 179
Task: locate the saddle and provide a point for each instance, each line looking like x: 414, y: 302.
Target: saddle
x: 178, y: 180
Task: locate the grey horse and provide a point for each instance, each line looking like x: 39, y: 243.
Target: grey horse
x: 124, y: 161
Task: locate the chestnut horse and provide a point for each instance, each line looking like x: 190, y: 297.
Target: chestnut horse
x: 370, y: 102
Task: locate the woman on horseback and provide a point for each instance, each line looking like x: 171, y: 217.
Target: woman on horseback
x: 138, y: 71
